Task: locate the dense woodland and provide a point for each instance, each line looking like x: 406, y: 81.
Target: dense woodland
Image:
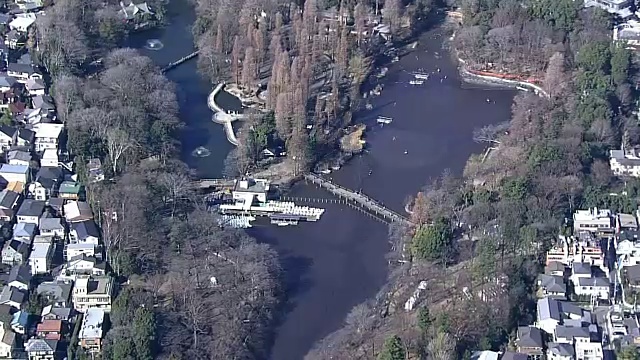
x: 549, y: 160
x: 191, y: 290
x: 297, y: 51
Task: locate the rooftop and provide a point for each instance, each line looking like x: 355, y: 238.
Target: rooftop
x: 14, y: 169
x: 252, y: 185
x: 92, y: 324
x: 48, y: 130
x: 31, y: 207
x: 40, y: 251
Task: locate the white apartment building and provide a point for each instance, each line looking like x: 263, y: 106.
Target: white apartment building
x: 593, y: 220
x: 47, y: 135
x: 93, y: 293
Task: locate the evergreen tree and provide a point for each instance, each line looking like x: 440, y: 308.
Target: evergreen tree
x: 393, y: 349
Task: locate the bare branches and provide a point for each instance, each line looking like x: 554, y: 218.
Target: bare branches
x: 490, y: 133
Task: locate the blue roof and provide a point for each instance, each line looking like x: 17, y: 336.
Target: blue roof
x: 14, y: 169
x: 20, y: 318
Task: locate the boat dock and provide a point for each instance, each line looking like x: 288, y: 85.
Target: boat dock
x: 357, y: 198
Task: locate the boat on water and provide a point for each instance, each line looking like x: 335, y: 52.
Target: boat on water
x: 421, y: 76
x: 325, y: 171
x: 416, y: 82
x: 384, y: 120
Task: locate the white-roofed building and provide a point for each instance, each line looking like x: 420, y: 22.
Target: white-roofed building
x: 22, y: 24
x: 91, y: 331
x: 40, y: 258
x: 593, y: 220
x: 47, y: 135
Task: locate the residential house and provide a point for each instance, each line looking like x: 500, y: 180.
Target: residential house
x: 49, y: 329
x: 57, y: 293
x: 593, y: 220
x: 70, y: 190
x: 8, y: 203
x: 15, y: 252
x: 508, y: 355
x: 11, y: 173
x: 626, y: 222
x: 56, y: 206
x: 43, y: 103
x: 10, y: 98
x: 20, y: 322
x: 23, y: 72
x: 572, y: 334
x: 628, y: 252
x: 5, y: 19
x: 52, y: 226
x: 6, y: 137
x: 19, y: 157
x: 7, y: 83
x: 555, y: 268
x: 50, y: 158
x: 559, y: 351
x: 485, y: 355
x: 551, y: 285
x: 24, y: 232
x: 625, y: 162
x: 20, y: 277
x: 30, y: 211
x: 135, y: 11
x: 47, y: 135
x: 632, y: 274
x: 12, y: 297
x: 94, y: 167
x: 15, y: 186
x: 21, y: 24
x: 51, y: 312
x: 78, y: 249
x: 42, y: 349
x: 23, y: 138
x: 7, y: 343
x: 25, y: 59
x: 40, y: 258
x: 85, y: 232
x: 529, y: 341
x: 92, y: 330
x: 552, y: 313
x: 580, y: 270
x: 93, y: 292
x: 14, y: 39
x: 619, y: 8
x: 77, y: 211
x: 589, y: 350
x: 81, y: 266
x: 629, y: 34
x: 597, y: 287
x: 46, y: 183
x: 35, y: 87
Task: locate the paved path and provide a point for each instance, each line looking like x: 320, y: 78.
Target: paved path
x: 358, y: 198
x: 222, y: 117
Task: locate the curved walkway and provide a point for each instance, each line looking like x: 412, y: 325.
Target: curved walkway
x: 222, y: 117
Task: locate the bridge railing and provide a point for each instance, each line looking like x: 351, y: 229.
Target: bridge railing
x: 354, y: 195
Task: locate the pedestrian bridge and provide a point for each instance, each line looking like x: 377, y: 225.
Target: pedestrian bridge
x: 358, y: 198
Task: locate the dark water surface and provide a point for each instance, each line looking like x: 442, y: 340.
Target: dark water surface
x: 339, y: 262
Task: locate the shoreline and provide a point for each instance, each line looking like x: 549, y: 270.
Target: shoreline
x: 469, y: 76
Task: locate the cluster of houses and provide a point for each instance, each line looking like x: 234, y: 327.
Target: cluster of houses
x: 54, y: 285
x: 585, y: 307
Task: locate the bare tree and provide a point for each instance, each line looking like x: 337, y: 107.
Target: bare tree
x: 490, y: 133
x: 118, y: 144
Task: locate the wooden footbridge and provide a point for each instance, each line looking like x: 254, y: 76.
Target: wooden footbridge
x: 183, y: 59
x: 356, y: 199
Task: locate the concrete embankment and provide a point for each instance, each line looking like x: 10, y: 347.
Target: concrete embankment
x: 222, y: 117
